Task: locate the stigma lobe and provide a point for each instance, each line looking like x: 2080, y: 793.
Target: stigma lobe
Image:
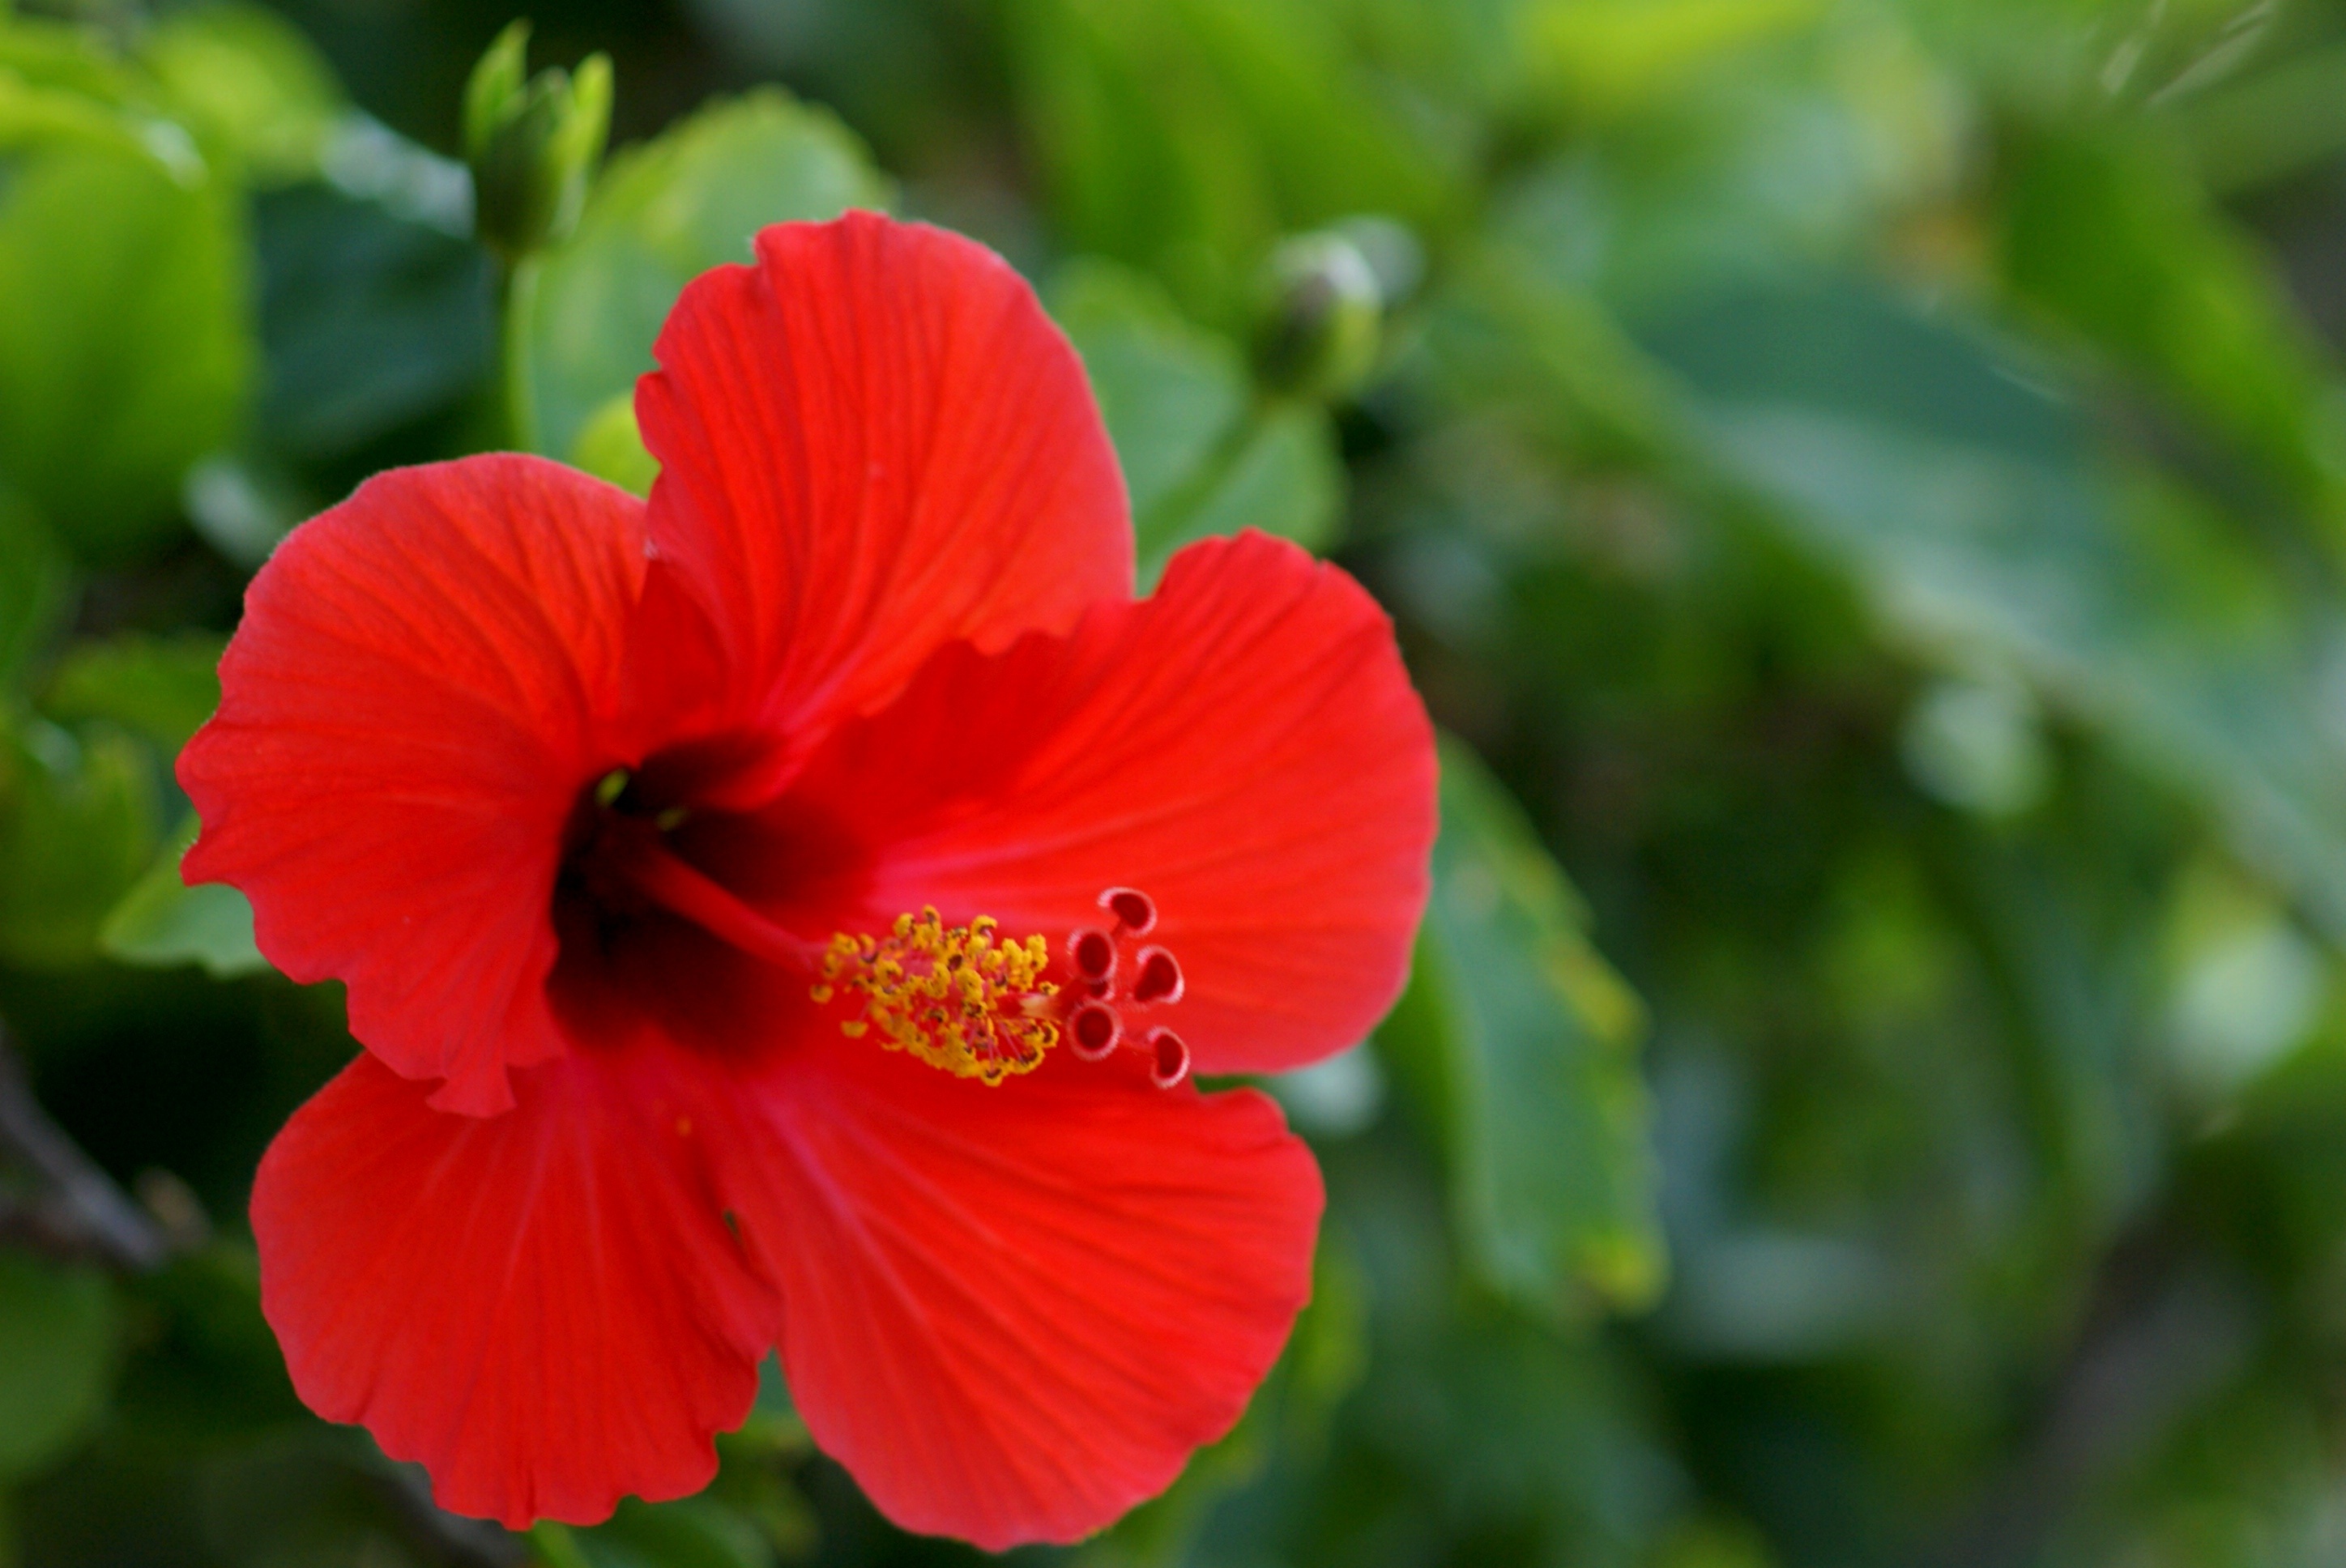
x: 1122, y: 984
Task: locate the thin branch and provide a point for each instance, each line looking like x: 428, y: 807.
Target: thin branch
x: 75, y: 1211
x: 2167, y: 1327
x: 457, y: 1541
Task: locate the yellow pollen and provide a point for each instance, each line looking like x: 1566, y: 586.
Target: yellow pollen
x: 957, y: 997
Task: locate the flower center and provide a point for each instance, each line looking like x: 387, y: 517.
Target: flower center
x: 964, y: 999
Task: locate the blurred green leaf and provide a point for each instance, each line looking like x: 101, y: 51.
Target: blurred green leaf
x: 1185, y: 138
x: 162, y: 921
x: 2275, y: 124
x: 1715, y: 1543
x: 1611, y: 53
x: 206, y: 1372
x: 1331, y: 148
x: 38, y: 116
x: 1975, y: 514
x: 610, y: 446
x: 1775, y: 168
x: 136, y: 362
x: 60, y: 87
x: 34, y: 579
x: 1518, y: 1045
x: 1199, y: 457
x: 1284, y: 477
x: 311, y: 1497
x: 1170, y: 393
x: 242, y: 505
x: 49, y: 53
x: 158, y: 687
x: 368, y: 320
x: 77, y: 826
x: 664, y: 213
x: 248, y: 85
x: 693, y: 1533
x: 56, y: 1359
x: 1509, y: 1434
x: 2117, y: 241
x: 1291, y: 1414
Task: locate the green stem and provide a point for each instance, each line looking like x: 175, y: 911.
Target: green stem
x: 555, y: 1547
x: 517, y: 299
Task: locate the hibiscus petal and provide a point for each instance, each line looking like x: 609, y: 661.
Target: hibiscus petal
x: 871, y: 442
x: 407, y: 713
x: 1244, y: 746
x: 1013, y: 1313
x: 544, y: 1307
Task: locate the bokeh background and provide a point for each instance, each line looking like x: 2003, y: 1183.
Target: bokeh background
x: 1863, y: 487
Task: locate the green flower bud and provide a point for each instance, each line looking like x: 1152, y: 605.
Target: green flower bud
x: 533, y: 144
x: 1321, y: 320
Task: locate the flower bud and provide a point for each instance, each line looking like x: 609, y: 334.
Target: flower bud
x: 533, y: 144
x: 1322, y: 317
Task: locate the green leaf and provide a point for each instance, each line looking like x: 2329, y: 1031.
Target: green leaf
x: 209, y: 1373
x: 59, y: 86
x: 34, y: 578
x: 2116, y: 240
x: 1170, y: 393
x: 1185, y: 138
x: 1762, y: 172
x: 52, y: 54
x: 135, y: 364
x: 1284, y: 477
x: 1973, y: 509
x: 1330, y: 146
x: 304, y: 1496
x: 1986, y: 529
x: 692, y: 1534
x: 1198, y: 459
x: 2272, y: 124
x: 77, y: 826
x: 248, y: 85
x: 1613, y: 54
x: 160, y: 688
x: 34, y: 115
x: 243, y: 505
x: 162, y: 922
x: 611, y: 447
x: 368, y: 321
x: 664, y: 213
x: 1504, y: 1418
x: 56, y: 1359
x: 1518, y: 1045
x: 1326, y: 1357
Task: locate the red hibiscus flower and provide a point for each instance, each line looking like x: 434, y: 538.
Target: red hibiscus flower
x: 783, y: 915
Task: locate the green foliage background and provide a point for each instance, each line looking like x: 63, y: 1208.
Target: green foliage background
x: 1862, y: 485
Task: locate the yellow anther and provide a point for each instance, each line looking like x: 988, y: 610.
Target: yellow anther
x: 956, y: 997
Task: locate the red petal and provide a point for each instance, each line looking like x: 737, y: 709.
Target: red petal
x: 545, y: 1308
x: 871, y: 442
x: 1013, y: 1313
x: 407, y: 713
x: 1244, y: 748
